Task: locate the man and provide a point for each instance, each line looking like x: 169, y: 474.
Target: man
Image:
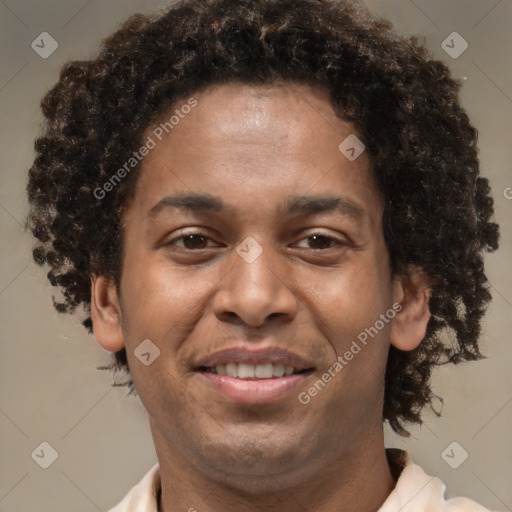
x: 272, y: 213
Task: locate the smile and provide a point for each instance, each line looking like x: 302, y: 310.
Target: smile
x: 251, y: 371
x: 248, y: 374
x: 254, y: 384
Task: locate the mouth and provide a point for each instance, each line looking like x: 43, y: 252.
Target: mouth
x: 249, y: 374
x: 265, y: 371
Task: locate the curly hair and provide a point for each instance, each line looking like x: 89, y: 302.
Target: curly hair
x: 405, y: 105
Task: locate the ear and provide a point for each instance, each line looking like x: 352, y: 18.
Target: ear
x: 106, y: 314
x: 412, y: 290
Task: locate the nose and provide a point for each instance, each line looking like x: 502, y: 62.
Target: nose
x: 254, y: 292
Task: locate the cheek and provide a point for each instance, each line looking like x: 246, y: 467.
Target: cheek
x: 159, y: 302
x: 350, y: 300
x: 162, y: 305
x: 348, y: 309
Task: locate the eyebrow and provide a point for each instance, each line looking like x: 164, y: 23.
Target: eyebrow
x: 324, y: 204
x: 190, y: 202
x: 294, y: 205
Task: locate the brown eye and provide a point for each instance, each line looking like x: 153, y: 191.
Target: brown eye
x: 321, y: 242
x: 194, y: 241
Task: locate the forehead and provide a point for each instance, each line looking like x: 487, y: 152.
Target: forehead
x: 241, y: 141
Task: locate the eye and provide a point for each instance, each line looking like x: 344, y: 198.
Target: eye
x: 191, y: 241
x: 198, y: 240
x: 322, y: 241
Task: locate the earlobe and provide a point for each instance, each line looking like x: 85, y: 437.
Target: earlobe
x: 409, y: 326
x: 106, y: 314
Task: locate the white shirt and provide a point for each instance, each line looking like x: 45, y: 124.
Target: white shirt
x: 415, y: 491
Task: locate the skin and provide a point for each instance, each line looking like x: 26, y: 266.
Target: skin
x: 254, y: 147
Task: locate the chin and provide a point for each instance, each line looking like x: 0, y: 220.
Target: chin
x: 253, y: 460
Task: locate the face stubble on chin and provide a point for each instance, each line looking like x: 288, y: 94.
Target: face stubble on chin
x: 254, y: 148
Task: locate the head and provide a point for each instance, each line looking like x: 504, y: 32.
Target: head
x: 243, y: 109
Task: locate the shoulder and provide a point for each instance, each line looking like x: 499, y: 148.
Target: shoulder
x: 143, y: 496
x: 415, y: 491
x: 464, y: 505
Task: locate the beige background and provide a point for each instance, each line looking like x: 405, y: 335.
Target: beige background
x: 50, y: 389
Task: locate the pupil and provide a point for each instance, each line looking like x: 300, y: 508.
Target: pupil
x: 320, y: 238
x: 191, y: 241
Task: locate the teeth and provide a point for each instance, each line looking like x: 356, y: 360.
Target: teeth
x: 232, y: 370
x: 264, y: 371
x: 279, y: 370
x: 246, y: 371
x: 251, y: 371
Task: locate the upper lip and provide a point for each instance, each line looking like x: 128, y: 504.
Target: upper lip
x: 255, y: 355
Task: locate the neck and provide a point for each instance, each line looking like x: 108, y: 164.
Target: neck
x: 357, y: 480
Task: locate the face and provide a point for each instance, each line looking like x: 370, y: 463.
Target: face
x: 254, y: 245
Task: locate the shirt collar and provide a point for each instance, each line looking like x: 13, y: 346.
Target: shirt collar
x: 415, y: 491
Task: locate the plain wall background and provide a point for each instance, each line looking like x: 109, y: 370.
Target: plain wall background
x: 50, y: 389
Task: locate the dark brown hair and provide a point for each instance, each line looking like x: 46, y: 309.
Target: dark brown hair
x: 404, y: 104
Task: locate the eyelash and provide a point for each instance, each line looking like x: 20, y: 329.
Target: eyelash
x: 337, y: 241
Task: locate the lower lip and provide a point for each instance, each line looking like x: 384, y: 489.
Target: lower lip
x: 245, y: 391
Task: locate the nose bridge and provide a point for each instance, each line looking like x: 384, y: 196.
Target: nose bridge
x: 254, y: 266
x: 253, y: 289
